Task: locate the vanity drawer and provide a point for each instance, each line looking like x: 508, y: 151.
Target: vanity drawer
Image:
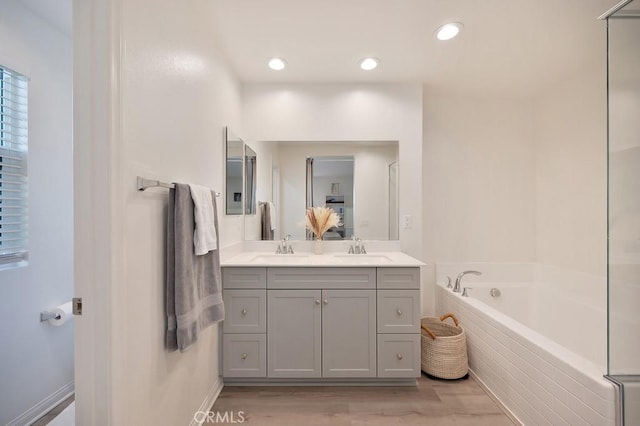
x: 399, y: 355
x: 244, y: 277
x: 245, y: 311
x: 244, y: 355
x: 321, y: 278
x: 398, y: 311
x: 408, y: 278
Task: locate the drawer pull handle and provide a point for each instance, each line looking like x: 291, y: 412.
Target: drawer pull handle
x: 400, y: 356
x: 244, y: 312
x: 243, y: 356
x: 326, y: 301
x: 399, y: 312
x: 317, y: 301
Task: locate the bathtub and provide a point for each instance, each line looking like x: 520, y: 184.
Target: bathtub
x: 540, y: 347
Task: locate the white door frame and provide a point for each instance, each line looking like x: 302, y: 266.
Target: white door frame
x: 97, y: 216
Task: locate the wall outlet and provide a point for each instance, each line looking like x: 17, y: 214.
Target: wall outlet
x: 406, y: 221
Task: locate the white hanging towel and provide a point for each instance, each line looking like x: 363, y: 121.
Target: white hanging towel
x: 204, y: 235
x: 272, y: 215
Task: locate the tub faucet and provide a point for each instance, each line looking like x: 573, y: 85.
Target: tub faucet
x: 456, y: 287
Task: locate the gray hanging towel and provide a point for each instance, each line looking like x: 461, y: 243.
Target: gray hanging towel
x: 194, y: 284
x: 266, y: 232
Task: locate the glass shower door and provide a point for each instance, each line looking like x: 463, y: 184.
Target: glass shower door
x: 623, y: 29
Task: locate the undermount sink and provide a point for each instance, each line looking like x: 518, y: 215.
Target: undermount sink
x: 274, y: 258
x: 363, y: 258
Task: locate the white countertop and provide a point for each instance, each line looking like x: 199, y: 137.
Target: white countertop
x: 333, y: 259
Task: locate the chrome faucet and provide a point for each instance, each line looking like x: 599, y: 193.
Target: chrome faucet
x: 285, y: 247
x: 356, y: 247
x: 352, y: 247
x: 456, y: 287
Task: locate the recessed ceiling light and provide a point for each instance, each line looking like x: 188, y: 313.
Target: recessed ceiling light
x: 277, y: 64
x: 369, y: 64
x: 448, y: 31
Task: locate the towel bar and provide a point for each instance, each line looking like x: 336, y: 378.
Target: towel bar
x: 144, y: 183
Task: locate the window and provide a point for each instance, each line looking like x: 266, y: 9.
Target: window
x: 13, y: 167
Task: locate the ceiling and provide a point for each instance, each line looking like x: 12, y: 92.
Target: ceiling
x: 508, y: 47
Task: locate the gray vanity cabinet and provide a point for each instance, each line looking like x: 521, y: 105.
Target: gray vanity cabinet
x: 294, y: 330
x: 322, y: 324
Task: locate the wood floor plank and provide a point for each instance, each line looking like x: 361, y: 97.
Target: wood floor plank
x: 432, y: 402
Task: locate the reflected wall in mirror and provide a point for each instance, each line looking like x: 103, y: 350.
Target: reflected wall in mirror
x: 250, y: 170
x: 329, y: 183
x: 394, y: 205
x: 233, y: 173
x: 368, y: 198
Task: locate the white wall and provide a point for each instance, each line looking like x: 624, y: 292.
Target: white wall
x: 347, y: 112
x: 479, y: 181
x: 37, y: 359
x: 178, y: 95
x: 172, y: 94
x: 570, y: 133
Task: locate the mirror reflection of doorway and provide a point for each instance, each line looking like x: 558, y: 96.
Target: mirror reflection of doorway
x: 330, y: 183
x: 394, y: 232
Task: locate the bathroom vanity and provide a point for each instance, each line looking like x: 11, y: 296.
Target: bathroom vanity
x: 321, y: 319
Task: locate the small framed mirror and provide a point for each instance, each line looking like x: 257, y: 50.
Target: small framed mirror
x: 233, y: 173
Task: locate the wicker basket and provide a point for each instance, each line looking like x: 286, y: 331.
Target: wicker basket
x: 444, y: 348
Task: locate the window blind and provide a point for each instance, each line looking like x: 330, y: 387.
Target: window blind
x: 13, y: 167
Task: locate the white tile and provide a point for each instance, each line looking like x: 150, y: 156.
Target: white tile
x: 567, y: 414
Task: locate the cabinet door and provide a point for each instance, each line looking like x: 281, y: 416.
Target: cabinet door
x: 398, y: 311
x: 245, y: 311
x: 244, y: 355
x: 399, y: 355
x: 294, y: 327
x: 348, y: 333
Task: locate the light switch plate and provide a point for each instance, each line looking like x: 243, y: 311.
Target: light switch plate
x: 406, y: 221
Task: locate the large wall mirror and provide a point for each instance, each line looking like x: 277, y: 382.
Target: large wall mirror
x: 358, y: 179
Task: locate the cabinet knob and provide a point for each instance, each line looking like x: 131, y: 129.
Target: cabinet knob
x: 400, y: 356
x: 399, y: 312
x: 244, y: 312
x: 325, y: 301
x: 317, y: 301
x: 243, y: 356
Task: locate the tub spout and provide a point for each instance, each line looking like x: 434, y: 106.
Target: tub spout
x: 456, y: 287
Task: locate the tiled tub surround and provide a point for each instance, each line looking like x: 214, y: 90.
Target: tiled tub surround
x: 539, y: 350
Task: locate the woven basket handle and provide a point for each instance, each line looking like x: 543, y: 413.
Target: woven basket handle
x: 429, y: 332
x: 452, y: 316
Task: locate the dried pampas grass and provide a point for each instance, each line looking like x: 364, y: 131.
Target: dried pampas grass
x: 320, y: 219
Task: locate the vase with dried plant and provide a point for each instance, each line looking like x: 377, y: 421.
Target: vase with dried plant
x: 319, y: 220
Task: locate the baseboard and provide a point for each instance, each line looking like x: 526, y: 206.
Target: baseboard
x: 495, y: 399
x: 209, y: 400
x: 43, y: 407
x: 321, y: 382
